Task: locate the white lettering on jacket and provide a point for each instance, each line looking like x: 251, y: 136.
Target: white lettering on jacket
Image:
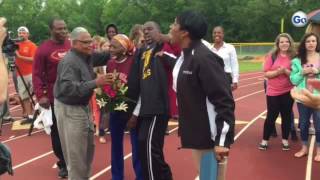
x: 187, y: 72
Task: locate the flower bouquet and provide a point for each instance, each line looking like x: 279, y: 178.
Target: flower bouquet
x: 113, y: 97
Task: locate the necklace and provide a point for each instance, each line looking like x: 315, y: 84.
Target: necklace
x: 121, y: 61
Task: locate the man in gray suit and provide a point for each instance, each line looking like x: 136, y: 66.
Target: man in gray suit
x: 72, y: 91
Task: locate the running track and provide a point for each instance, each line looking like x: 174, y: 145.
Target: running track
x: 34, y: 160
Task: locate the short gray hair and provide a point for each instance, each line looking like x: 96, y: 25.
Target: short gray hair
x: 76, y: 32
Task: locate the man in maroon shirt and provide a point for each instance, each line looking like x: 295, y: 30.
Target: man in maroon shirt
x: 44, y: 74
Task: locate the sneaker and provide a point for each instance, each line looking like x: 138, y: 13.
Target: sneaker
x: 285, y: 147
x: 126, y: 131
x: 6, y: 120
x: 27, y: 121
x: 167, y: 132
x: 63, y: 173
x: 312, y: 131
x: 263, y: 147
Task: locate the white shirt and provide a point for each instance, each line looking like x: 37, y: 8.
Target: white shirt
x: 175, y: 71
x: 229, y: 55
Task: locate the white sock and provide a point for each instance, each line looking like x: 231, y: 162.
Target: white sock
x: 264, y: 142
x: 285, y: 142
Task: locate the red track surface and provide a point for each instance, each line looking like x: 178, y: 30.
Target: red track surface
x: 34, y: 160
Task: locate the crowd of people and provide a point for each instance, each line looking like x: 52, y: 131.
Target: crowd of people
x: 293, y: 74
x: 163, y: 72
x: 60, y: 73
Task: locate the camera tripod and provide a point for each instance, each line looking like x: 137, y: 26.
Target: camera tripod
x: 36, y: 112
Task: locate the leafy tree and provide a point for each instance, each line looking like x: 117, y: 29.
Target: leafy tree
x: 244, y: 21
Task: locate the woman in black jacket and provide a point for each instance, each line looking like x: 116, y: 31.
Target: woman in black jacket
x: 205, y: 102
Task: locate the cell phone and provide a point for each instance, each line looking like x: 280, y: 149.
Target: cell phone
x: 315, y: 83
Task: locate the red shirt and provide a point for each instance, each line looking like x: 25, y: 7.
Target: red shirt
x: 123, y: 68
x: 45, y: 65
x: 27, y: 49
x: 176, y: 50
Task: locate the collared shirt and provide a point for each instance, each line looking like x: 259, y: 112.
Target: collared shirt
x: 229, y: 55
x: 75, y: 77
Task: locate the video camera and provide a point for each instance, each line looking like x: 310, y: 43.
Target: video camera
x: 10, y: 45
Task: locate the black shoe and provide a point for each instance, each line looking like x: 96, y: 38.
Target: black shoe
x: 6, y: 120
x: 263, y: 147
x: 167, y: 132
x: 294, y: 136
x: 27, y: 121
x: 285, y: 147
x: 63, y: 173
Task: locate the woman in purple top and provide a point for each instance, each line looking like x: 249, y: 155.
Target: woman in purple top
x: 277, y: 71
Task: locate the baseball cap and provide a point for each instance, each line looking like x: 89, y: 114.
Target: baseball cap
x: 23, y: 28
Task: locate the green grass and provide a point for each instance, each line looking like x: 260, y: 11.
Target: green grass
x: 250, y: 66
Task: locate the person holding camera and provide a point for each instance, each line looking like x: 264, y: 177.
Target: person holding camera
x: 23, y: 62
x: 3, y: 68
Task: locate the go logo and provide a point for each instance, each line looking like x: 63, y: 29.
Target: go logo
x: 299, y: 19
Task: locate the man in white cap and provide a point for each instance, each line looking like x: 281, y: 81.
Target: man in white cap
x: 24, y: 59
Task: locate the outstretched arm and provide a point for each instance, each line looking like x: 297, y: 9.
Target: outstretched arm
x: 3, y: 68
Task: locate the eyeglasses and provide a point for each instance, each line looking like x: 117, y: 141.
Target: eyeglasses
x: 85, y: 42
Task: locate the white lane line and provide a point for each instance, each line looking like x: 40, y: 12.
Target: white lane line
x: 250, y: 74
x: 259, y: 82
x: 244, y: 129
x: 14, y: 107
x: 242, y: 97
x: 102, y: 171
x: 256, y: 77
x: 310, y: 158
x: 19, y: 137
x: 174, y: 129
x: 17, y: 109
x: 107, y: 168
x: 126, y: 157
x: 11, y: 94
x: 31, y: 160
x: 249, y: 124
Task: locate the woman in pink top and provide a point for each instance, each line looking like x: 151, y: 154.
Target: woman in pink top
x: 277, y: 71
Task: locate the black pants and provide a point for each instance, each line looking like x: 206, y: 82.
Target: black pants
x: 229, y: 77
x: 55, y: 141
x: 278, y: 104
x: 151, y: 133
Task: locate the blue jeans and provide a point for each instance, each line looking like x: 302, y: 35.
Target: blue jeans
x: 304, y: 120
x: 118, y: 122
